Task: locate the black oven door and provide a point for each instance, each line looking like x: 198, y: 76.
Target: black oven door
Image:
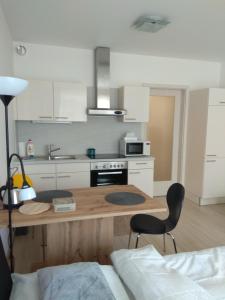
x: 108, y: 177
x: 134, y: 148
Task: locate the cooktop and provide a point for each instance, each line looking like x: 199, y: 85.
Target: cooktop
x: 107, y: 156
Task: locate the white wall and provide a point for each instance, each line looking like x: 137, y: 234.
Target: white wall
x: 52, y: 62
x: 5, y: 69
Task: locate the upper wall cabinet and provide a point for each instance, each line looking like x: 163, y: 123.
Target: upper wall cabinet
x: 135, y: 100
x: 36, y: 102
x: 70, y: 101
x: 53, y: 101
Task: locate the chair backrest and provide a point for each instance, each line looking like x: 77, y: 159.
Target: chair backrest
x: 175, y: 198
x: 5, y: 276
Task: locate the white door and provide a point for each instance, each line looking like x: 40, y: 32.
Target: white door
x: 142, y: 179
x: 36, y: 102
x: 164, y: 132
x: 73, y: 180
x: 214, y: 177
x: 215, y: 143
x: 70, y: 101
x: 43, y: 182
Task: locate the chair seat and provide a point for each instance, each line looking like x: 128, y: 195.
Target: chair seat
x: 142, y: 223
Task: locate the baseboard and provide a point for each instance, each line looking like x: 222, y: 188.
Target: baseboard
x: 208, y: 201
x: 192, y: 197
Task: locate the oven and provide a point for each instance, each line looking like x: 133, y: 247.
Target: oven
x: 108, y: 173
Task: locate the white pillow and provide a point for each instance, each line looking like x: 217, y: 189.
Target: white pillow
x: 144, y: 272
x: 25, y: 287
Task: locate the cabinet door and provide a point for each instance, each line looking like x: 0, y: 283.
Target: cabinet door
x: 142, y: 179
x: 136, y: 102
x: 215, y: 142
x: 216, y: 96
x: 73, y: 180
x: 43, y: 182
x: 36, y: 102
x: 70, y: 101
x: 214, y: 178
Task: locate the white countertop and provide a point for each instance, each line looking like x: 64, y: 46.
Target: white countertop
x: 80, y: 159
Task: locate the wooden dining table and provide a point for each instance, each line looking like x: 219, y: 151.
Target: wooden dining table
x: 87, y: 233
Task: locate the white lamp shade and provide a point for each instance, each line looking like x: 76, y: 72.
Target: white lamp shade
x: 27, y: 193
x: 11, y: 86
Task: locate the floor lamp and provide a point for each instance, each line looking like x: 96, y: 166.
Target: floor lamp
x: 9, y: 88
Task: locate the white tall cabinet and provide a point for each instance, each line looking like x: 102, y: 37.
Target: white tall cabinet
x: 205, y: 168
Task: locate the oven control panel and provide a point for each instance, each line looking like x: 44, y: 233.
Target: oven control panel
x: 109, y: 165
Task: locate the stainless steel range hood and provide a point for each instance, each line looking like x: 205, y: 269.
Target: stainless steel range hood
x: 102, y: 85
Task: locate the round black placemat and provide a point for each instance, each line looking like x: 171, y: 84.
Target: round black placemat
x: 124, y: 198
x: 47, y: 196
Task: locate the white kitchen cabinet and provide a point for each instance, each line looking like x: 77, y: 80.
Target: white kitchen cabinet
x: 43, y: 182
x: 214, y: 178
x: 136, y: 101
x: 215, y: 142
x: 73, y: 180
x: 140, y: 174
x: 216, y: 96
x: 142, y: 179
x: 36, y: 102
x: 70, y: 101
x: 205, y: 156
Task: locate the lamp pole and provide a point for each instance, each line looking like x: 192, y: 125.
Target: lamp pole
x: 9, y: 88
x: 6, y: 99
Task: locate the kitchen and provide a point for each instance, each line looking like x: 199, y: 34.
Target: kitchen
x: 64, y: 106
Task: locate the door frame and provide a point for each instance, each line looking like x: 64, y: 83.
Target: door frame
x: 183, y: 123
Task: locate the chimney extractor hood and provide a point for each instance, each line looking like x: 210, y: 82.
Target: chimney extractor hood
x: 102, y: 85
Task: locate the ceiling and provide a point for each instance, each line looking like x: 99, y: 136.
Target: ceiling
x: 197, y: 28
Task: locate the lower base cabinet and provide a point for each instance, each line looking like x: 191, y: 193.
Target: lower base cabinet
x: 73, y: 180
x: 43, y: 182
x: 142, y: 178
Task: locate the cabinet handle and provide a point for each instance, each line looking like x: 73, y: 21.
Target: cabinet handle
x: 222, y: 102
x: 130, y: 119
x: 132, y: 173
x: 110, y: 173
x: 211, y: 154
x: 64, y: 118
x: 64, y: 176
x: 141, y: 163
x: 212, y: 160
x: 45, y: 117
x: 47, y: 177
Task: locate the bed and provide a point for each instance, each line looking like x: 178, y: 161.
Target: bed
x: 141, y: 274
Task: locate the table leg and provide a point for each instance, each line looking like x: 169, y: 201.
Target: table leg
x: 86, y: 240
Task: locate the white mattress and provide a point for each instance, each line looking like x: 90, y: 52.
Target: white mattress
x: 26, y: 286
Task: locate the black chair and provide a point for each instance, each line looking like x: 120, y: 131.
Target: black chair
x: 147, y: 224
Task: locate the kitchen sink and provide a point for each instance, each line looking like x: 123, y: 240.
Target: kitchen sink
x: 59, y: 157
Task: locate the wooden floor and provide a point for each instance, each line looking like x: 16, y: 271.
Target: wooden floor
x: 198, y: 228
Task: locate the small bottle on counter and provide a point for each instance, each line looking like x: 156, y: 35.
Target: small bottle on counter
x: 30, y: 148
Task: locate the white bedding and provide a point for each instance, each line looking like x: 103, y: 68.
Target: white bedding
x: 146, y: 274
x: 26, y: 286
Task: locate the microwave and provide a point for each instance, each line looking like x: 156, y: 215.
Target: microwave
x: 135, y: 148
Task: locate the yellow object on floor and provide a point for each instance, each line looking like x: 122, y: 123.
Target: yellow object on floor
x: 18, y: 180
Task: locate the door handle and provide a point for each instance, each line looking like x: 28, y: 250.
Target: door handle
x: 110, y: 173
x: 64, y: 118
x: 45, y: 117
x: 132, y: 173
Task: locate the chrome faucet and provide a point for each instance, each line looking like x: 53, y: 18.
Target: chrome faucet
x: 51, y: 149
